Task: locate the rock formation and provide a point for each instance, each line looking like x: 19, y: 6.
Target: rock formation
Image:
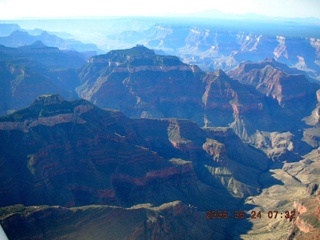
x: 215, y: 47
x: 185, y: 144
x: 30, y: 71
x: 169, y: 221
x: 72, y: 153
x: 142, y: 84
x: 292, y: 91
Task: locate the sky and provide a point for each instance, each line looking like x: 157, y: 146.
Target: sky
x: 14, y: 9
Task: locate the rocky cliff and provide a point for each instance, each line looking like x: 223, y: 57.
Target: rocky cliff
x: 311, y: 134
x: 72, y: 153
x: 295, y: 97
x: 143, y: 84
x: 270, y: 78
x: 58, y: 152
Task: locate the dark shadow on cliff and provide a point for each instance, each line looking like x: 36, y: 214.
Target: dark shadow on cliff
x: 266, y: 180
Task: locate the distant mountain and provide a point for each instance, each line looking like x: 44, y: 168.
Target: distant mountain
x: 28, y: 71
x: 21, y: 38
x: 38, y: 31
x: 212, y: 46
x: 50, y: 57
x: 7, y: 28
x: 21, y: 83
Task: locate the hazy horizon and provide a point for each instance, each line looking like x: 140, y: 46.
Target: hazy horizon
x: 35, y: 9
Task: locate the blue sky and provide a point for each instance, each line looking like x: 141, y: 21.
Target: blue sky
x: 12, y: 9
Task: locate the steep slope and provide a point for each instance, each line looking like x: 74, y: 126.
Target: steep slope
x: 295, y: 97
x: 292, y: 187
x: 228, y: 103
x: 294, y: 94
x: 271, y: 79
x: 72, y: 153
x: 311, y: 133
x: 57, y: 152
x: 142, y: 84
x: 67, y: 162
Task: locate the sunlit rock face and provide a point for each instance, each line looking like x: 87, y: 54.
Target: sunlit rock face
x: 311, y: 134
x: 294, y: 98
x: 143, y: 84
x: 270, y: 78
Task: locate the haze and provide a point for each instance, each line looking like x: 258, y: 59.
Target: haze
x: 17, y: 9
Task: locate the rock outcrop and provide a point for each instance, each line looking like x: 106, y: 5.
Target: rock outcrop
x: 311, y: 135
x: 295, y: 97
x: 292, y: 91
x: 143, y: 84
x: 173, y: 220
x: 73, y: 153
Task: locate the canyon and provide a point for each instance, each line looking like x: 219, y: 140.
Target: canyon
x: 138, y: 144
